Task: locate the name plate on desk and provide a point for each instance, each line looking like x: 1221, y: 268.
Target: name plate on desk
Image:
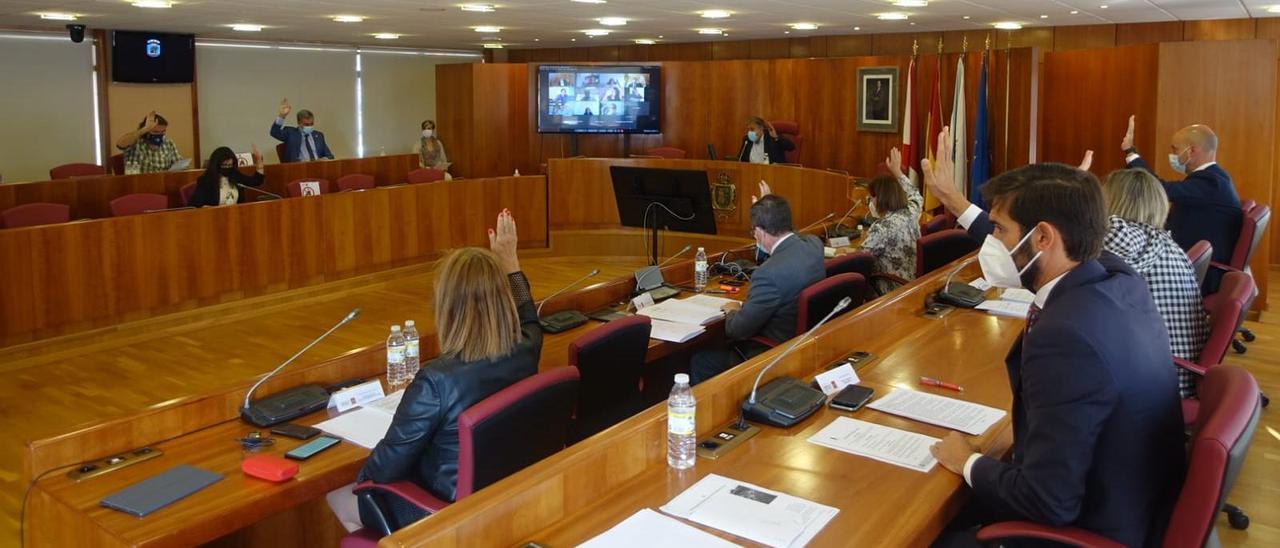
x: 842, y: 241
x: 356, y: 396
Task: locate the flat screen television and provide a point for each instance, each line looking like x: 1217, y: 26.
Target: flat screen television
x: 152, y: 57
x: 599, y: 99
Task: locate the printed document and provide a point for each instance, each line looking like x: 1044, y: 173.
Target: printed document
x: 888, y: 445
x: 647, y: 528
x: 751, y: 512
x: 967, y: 417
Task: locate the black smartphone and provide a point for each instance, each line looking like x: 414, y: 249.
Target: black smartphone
x: 296, y: 431
x: 309, y: 449
x: 851, y: 398
x: 732, y: 282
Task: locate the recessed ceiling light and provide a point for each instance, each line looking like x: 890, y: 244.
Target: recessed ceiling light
x: 1104, y: 6
x: 152, y: 4
x: 537, y: 39
x: 386, y: 36
x: 661, y: 36
x: 911, y: 3
x: 487, y: 29
x: 715, y: 14
x: 893, y: 16
x: 804, y: 26
x: 58, y: 16
x: 596, y: 32
x: 646, y: 42
x: 480, y: 8
x: 1007, y: 25
x: 966, y: 18
x: 612, y: 21
x: 573, y: 39
x: 590, y: 1
x: 246, y: 27
x: 1075, y: 12
x: 710, y: 31
x: 1044, y: 16
x: 348, y: 19
x: 493, y: 46
x: 1273, y: 9
x: 857, y: 28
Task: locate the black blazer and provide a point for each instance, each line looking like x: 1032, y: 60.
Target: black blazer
x: 208, y: 188
x: 774, y: 300
x: 422, y: 444
x: 1205, y: 207
x: 775, y: 149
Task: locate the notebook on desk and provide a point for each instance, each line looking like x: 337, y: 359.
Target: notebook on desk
x: 156, y: 492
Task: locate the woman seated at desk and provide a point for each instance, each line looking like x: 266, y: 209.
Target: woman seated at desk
x: 219, y: 184
x: 895, y: 206
x: 489, y: 339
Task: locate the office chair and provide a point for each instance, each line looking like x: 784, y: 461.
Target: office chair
x: 295, y: 187
x: 136, y: 204
x: 355, y: 181
x: 40, y: 213
x: 67, y: 171
x: 817, y: 300
x: 610, y: 361
x: 1200, y: 255
x: 426, y: 175
x: 184, y: 194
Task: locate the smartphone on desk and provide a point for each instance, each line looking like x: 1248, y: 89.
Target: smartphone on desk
x: 309, y: 449
x: 851, y: 398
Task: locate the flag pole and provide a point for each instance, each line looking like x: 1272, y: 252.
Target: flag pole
x: 1008, y: 71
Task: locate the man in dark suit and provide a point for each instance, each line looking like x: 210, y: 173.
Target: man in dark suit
x: 795, y: 262
x: 1097, y: 425
x: 763, y: 145
x: 302, y: 143
x: 1205, y: 203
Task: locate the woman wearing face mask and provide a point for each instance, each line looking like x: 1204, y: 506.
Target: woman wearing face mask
x: 430, y: 149
x: 895, y: 224
x: 219, y: 184
x: 763, y: 145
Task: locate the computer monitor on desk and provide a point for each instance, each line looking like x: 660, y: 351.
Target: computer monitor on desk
x: 673, y: 199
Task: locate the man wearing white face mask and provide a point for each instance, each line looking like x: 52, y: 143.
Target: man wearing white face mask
x: 762, y: 144
x: 1097, y: 422
x: 303, y: 143
x: 1205, y: 203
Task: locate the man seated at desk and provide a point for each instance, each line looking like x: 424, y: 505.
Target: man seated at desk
x: 148, y: 149
x: 302, y: 143
x: 795, y: 262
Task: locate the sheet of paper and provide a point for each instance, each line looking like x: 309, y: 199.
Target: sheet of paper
x: 888, y: 445
x: 387, y: 404
x: 967, y: 417
x: 674, y: 331
x: 707, y: 301
x: 836, y: 379
x: 364, y: 426
x: 1019, y: 295
x: 642, y: 301
x: 673, y: 310
x: 750, y: 511
x: 981, y: 284
x: 1011, y: 309
x: 647, y: 528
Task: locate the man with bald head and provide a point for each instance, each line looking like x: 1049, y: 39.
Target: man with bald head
x: 1205, y: 203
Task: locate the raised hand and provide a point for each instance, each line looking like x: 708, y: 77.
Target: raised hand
x: 503, y: 240
x: 1127, y: 142
x: 1087, y: 162
x: 773, y: 133
x: 764, y: 191
x: 285, y: 109
x: 894, y: 162
x: 939, y: 173
x: 257, y: 156
x: 152, y: 122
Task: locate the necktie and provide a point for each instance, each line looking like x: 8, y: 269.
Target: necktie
x: 1033, y: 315
x: 311, y: 147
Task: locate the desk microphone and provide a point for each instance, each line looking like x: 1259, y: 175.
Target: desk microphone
x: 818, y: 222
x: 273, y: 195
x: 649, y: 278
x: 962, y: 295
x: 786, y: 401
x: 563, y: 320
x: 677, y: 254
x: 294, y: 402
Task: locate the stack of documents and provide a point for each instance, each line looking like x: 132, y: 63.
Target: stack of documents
x: 680, y: 320
x: 967, y: 417
x: 750, y: 511
x: 647, y: 528
x: 889, y: 445
x: 1013, y: 303
x: 367, y: 425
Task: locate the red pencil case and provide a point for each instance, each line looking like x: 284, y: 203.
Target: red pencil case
x: 269, y: 467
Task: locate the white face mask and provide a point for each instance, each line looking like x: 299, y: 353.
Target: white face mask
x: 997, y: 263
x: 871, y: 209
x: 427, y: 133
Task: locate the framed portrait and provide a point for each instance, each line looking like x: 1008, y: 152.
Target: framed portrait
x: 878, y: 99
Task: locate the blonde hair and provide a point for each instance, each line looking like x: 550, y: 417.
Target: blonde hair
x: 1136, y: 195
x: 475, y: 313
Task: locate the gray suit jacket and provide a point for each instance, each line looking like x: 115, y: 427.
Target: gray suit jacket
x: 773, y: 300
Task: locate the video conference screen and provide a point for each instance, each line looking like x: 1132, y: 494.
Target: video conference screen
x: 152, y: 57
x: 599, y: 99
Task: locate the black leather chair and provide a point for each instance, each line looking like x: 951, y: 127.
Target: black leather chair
x: 610, y: 360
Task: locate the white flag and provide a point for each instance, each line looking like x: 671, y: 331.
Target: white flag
x: 958, y: 141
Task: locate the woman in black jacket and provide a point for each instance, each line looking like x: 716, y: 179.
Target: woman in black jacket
x: 218, y: 184
x: 489, y: 339
x: 763, y: 145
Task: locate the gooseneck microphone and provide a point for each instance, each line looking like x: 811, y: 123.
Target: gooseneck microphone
x: 294, y: 402
x: 266, y: 192
x: 563, y: 320
x: 818, y: 222
x: 786, y: 401
x: 962, y: 295
x: 677, y: 254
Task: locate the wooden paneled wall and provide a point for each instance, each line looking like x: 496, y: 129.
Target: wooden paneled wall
x: 77, y: 276
x: 708, y: 102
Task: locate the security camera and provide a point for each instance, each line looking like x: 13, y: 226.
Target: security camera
x: 77, y: 32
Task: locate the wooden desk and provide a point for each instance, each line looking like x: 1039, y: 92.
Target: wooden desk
x: 584, y: 490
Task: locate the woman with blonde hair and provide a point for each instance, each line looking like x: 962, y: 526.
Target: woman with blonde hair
x: 1138, y: 207
x: 489, y: 339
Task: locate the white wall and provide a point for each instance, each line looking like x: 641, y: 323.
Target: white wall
x: 399, y: 93
x: 46, y: 106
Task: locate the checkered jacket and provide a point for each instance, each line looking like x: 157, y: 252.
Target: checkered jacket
x: 151, y: 158
x: 1153, y: 254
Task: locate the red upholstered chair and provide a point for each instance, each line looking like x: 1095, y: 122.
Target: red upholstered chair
x: 1226, y: 309
x: 499, y: 436
x: 136, y: 204
x: 1252, y: 228
x: 184, y: 194
x: 790, y: 130
x: 938, y: 223
x: 610, y: 360
x: 1219, y: 441
x: 426, y: 175
x: 858, y: 262
x: 670, y: 153
x: 280, y: 150
x: 941, y: 248
x: 1200, y: 255
x: 355, y: 181
x: 67, y: 171
x: 35, y: 214
x: 117, y: 164
x: 295, y: 187
x: 819, y: 299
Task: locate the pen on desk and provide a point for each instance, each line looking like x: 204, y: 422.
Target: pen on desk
x: 929, y: 381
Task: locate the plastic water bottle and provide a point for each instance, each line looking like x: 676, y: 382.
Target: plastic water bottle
x: 700, y: 270
x: 412, y: 360
x: 681, y: 415
x: 395, y: 358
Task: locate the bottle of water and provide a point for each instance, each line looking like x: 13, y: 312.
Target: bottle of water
x: 681, y: 413
x: 412, y: 360
x: 700, y: 270
x: 395, y: 359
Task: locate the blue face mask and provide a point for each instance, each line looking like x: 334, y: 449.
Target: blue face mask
x: 753, y: 136
x: 155, y: 139
x: 1175, y: 162
x: 306, y: 130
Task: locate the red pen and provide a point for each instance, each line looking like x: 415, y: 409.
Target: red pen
x: 929, y: 381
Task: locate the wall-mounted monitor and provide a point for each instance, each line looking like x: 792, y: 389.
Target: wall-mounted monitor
x: 599, y: 99
x: 152, y: 57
